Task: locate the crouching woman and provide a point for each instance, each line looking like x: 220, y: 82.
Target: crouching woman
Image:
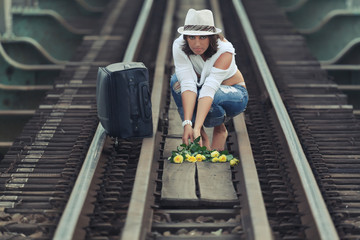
x: 207, y: 86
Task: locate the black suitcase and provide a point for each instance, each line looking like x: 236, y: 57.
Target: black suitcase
x: 123, y: 100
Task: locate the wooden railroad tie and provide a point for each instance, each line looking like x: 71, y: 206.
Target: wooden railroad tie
x: 213, y: 181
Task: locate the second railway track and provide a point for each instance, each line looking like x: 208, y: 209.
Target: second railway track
x: 121, y: 196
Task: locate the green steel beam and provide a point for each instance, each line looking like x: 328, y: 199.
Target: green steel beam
x: 36, y: 40
x: 70, y: 23
x: 288, y: 3
x: 331, y: 27
x: 87, y: 7
x: 335, y: 39
x: 8, y: 59
x: 314, y: 14
x: 5, y: 18
x: 32, y: 70
x: 71, y: 8
x: 49, y: 32
x: 20, y: 82
x: 350, y: 61
x: 94, y: 3
x: 50, y: 26
x: 25, y: 52
x: 35, y: 54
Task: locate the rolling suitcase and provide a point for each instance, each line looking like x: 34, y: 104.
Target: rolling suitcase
x: 123, y: 100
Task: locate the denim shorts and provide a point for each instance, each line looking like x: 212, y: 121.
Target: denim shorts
x: 228, y: 102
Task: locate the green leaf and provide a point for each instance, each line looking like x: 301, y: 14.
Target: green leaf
x: 229, y: 157
x: 225, y: 152
x: 194, y: 148
x: 203, y: 148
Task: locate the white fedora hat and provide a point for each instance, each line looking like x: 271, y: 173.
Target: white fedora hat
x: 199, y: 23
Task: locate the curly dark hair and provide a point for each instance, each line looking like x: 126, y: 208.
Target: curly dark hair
x: 212, y: 49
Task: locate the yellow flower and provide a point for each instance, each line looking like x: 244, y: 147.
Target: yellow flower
x: 222, y: 158
x: 215, y: 159
x: 187, y: 157
x: 178, y: 159
x: 191, y: 159
x: 234, y: 162
x: 215, y: 154
x: 199, y: 157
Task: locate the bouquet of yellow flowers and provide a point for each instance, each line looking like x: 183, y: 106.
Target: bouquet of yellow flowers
x: 195, y: 153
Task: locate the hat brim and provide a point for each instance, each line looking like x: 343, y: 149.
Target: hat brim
x: 198, y: 33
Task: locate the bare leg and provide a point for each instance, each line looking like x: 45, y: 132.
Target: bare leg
x: 205, y: 139
x: 219, y: 137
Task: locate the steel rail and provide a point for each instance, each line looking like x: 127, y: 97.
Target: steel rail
x: 70, y: 217
x: 256, y: 223
x: 324, y: 226
x: 136, y: 224
x: 138, y: 31
x: 67, y: 224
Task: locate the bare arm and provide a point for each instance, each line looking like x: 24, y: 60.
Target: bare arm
x: 203, y: 108
x: 188, y: 101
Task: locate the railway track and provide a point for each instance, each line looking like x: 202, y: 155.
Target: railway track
x: 40, y: 169
x: 65, y: 179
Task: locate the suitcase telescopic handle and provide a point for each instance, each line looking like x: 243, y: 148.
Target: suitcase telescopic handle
x: 134, y: 110
x: 145, y: 100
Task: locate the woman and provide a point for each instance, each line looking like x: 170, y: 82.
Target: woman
x: 207, y: 86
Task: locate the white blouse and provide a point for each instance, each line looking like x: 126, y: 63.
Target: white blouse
x: 211, y: 78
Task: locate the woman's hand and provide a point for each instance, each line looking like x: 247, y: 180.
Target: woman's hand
x: 188, y: 133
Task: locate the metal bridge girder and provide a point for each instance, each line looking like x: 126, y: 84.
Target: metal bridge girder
x: 335, y: 39
x: 17, y: 85
x: 5, y: 17
x: 329, y: 26
x: 49, y: 32
x: 66, y: 7
x: 313, y: 14
x: 290, y: 4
